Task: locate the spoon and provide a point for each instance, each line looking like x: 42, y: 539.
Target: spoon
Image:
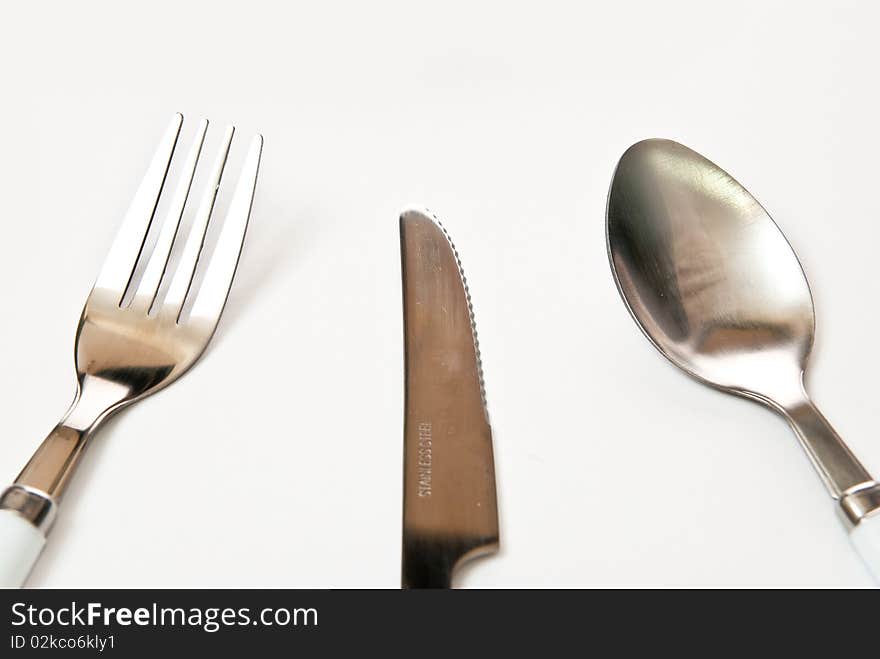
x: 715, y: 286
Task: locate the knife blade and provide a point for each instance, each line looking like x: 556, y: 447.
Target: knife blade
x: 450, y: 512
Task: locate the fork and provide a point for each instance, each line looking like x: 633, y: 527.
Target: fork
x: 124, y: 350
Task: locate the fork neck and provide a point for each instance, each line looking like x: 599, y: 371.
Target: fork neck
x: 96, y: 398
x: 51, y: 466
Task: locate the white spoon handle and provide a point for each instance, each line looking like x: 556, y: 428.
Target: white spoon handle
x: 20, y: 544
x: 865, y: 537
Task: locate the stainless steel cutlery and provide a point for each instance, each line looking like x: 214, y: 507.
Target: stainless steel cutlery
x: 715, y: 286
x: 450, y: 514
x: 127, y: 351
x: 703, y: 269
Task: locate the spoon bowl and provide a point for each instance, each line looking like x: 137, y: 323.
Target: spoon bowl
x: 707, y: 274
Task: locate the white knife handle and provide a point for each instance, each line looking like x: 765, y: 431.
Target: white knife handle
x: 20, y: 544
x: 865, y: 537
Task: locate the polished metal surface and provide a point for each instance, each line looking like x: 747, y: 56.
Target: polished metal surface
x: 34, y: 506
x: 861, y: 504
x: 123, y: 351
x: 714, y: 284
x: 450, y: 512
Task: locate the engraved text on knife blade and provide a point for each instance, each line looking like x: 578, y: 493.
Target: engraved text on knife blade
x: 426, y: 459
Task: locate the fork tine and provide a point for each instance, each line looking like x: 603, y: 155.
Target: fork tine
x: 215, y: 287
x: 120, y: 263
x: 152, y: 278
x: 182, y: 280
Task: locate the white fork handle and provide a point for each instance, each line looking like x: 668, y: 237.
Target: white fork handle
x: 20, y: 544
x: 865, y: 537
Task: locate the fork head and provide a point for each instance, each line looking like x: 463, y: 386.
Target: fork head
x: 140, y: 346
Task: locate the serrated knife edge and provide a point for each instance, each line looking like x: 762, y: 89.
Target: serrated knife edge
x: 467, y: 294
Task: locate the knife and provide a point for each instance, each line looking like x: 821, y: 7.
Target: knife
x: 450, y: 513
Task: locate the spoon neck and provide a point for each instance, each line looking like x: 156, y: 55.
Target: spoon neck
x: 840, y: 470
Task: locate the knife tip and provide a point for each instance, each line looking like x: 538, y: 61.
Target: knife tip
x: 418, y: 214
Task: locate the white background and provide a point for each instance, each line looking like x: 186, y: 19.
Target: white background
x: 277, y: 460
